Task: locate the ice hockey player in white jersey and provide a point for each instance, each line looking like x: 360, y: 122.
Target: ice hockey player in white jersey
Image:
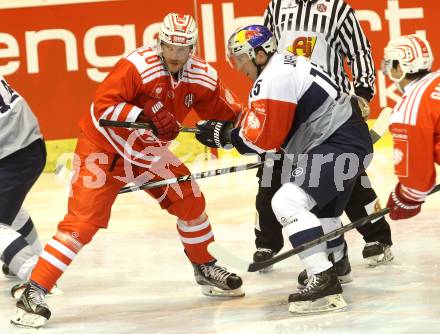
x: 296, y: 108
x: 22, y: 159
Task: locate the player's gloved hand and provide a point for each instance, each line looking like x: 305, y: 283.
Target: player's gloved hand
x: 402, y: 207
x: 167, y: 127
x: 215, y: 133
x: 365, y: 108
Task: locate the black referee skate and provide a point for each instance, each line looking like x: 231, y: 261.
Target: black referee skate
x: 263, y: 254
x: 342, y: 267
x: 323, y: 293
x: 377, y: 253
x: 217, y: 281
x: 31, y: 309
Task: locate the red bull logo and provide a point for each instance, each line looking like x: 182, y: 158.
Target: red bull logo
x: 245, y: 35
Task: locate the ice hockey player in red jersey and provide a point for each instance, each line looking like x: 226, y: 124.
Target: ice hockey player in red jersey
x: 415, y: 123
x: 295, y: 107
x: 159, y: 84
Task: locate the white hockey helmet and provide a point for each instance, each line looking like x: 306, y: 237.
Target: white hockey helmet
x: 246, y: 39
x: 178, y: 29
x: 413, y: 53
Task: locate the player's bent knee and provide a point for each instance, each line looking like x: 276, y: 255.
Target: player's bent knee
x: 188, y: 208
x: 76, y: 234
x: 290, y: 201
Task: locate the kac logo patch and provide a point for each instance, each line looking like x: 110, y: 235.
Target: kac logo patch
x: 189, y: 100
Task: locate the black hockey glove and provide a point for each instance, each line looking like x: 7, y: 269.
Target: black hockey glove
x: 216, y: 134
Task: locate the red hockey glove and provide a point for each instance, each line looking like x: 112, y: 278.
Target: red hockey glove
x: 402, y: 207
x: 167, y: 127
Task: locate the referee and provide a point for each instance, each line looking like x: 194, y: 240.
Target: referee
x: 326, y: 32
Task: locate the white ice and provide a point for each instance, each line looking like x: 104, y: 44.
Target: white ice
x: 134, y: 277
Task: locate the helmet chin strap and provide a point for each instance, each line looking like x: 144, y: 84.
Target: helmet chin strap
x: 397, y: 81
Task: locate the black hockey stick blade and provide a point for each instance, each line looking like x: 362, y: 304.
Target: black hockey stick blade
x: 138, y: 125
x: 228, y: 258
x: 190, y: 177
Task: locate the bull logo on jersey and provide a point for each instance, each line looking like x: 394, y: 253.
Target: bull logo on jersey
x: 189, y: 100
x: 252, y: 121
x: 303, y: 46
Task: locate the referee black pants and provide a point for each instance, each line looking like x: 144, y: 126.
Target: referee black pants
x: 268, y: 231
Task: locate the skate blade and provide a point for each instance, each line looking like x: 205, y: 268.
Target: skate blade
x: 377, y: 260
x: 213, y: 291
x: 326, y: 304
x: 23, y: 319
x: 345, y: 279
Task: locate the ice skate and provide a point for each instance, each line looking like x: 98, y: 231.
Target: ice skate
x: 217, y: 281
x: 17, y: 291
x: 263, y: 254
x: 377, y: 253
x: 342, y: 267
x: 323, y: 293
x: 31, y: 309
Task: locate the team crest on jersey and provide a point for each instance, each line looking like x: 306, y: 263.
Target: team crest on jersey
x: 321, y: 7
x: 303, y: 46
x: 252, y: 121
x: 189, y: 100
x: 259, y: 107
x: 397, y: 156
x: 158, y: 90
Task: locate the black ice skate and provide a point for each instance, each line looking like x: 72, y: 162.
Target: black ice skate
x: 263, y: 254
x: 377, y: 253
x: 217, y: 281
x: 323, y: 293
x: 31, y: 310
x: 342, y: 267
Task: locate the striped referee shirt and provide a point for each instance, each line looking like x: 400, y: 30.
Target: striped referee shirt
x: 327, y: 32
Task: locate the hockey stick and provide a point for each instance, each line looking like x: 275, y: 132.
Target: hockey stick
x: 377, y: 131
x: 228, y: 258
x: 381, y: 125
x: 139, y: 125
x: 190, y: 177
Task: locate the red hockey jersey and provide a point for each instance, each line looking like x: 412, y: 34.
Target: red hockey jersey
x: 415, y: 127
x: 141, y: 76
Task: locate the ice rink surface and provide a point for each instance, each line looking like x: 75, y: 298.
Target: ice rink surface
x: 134, y: 277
